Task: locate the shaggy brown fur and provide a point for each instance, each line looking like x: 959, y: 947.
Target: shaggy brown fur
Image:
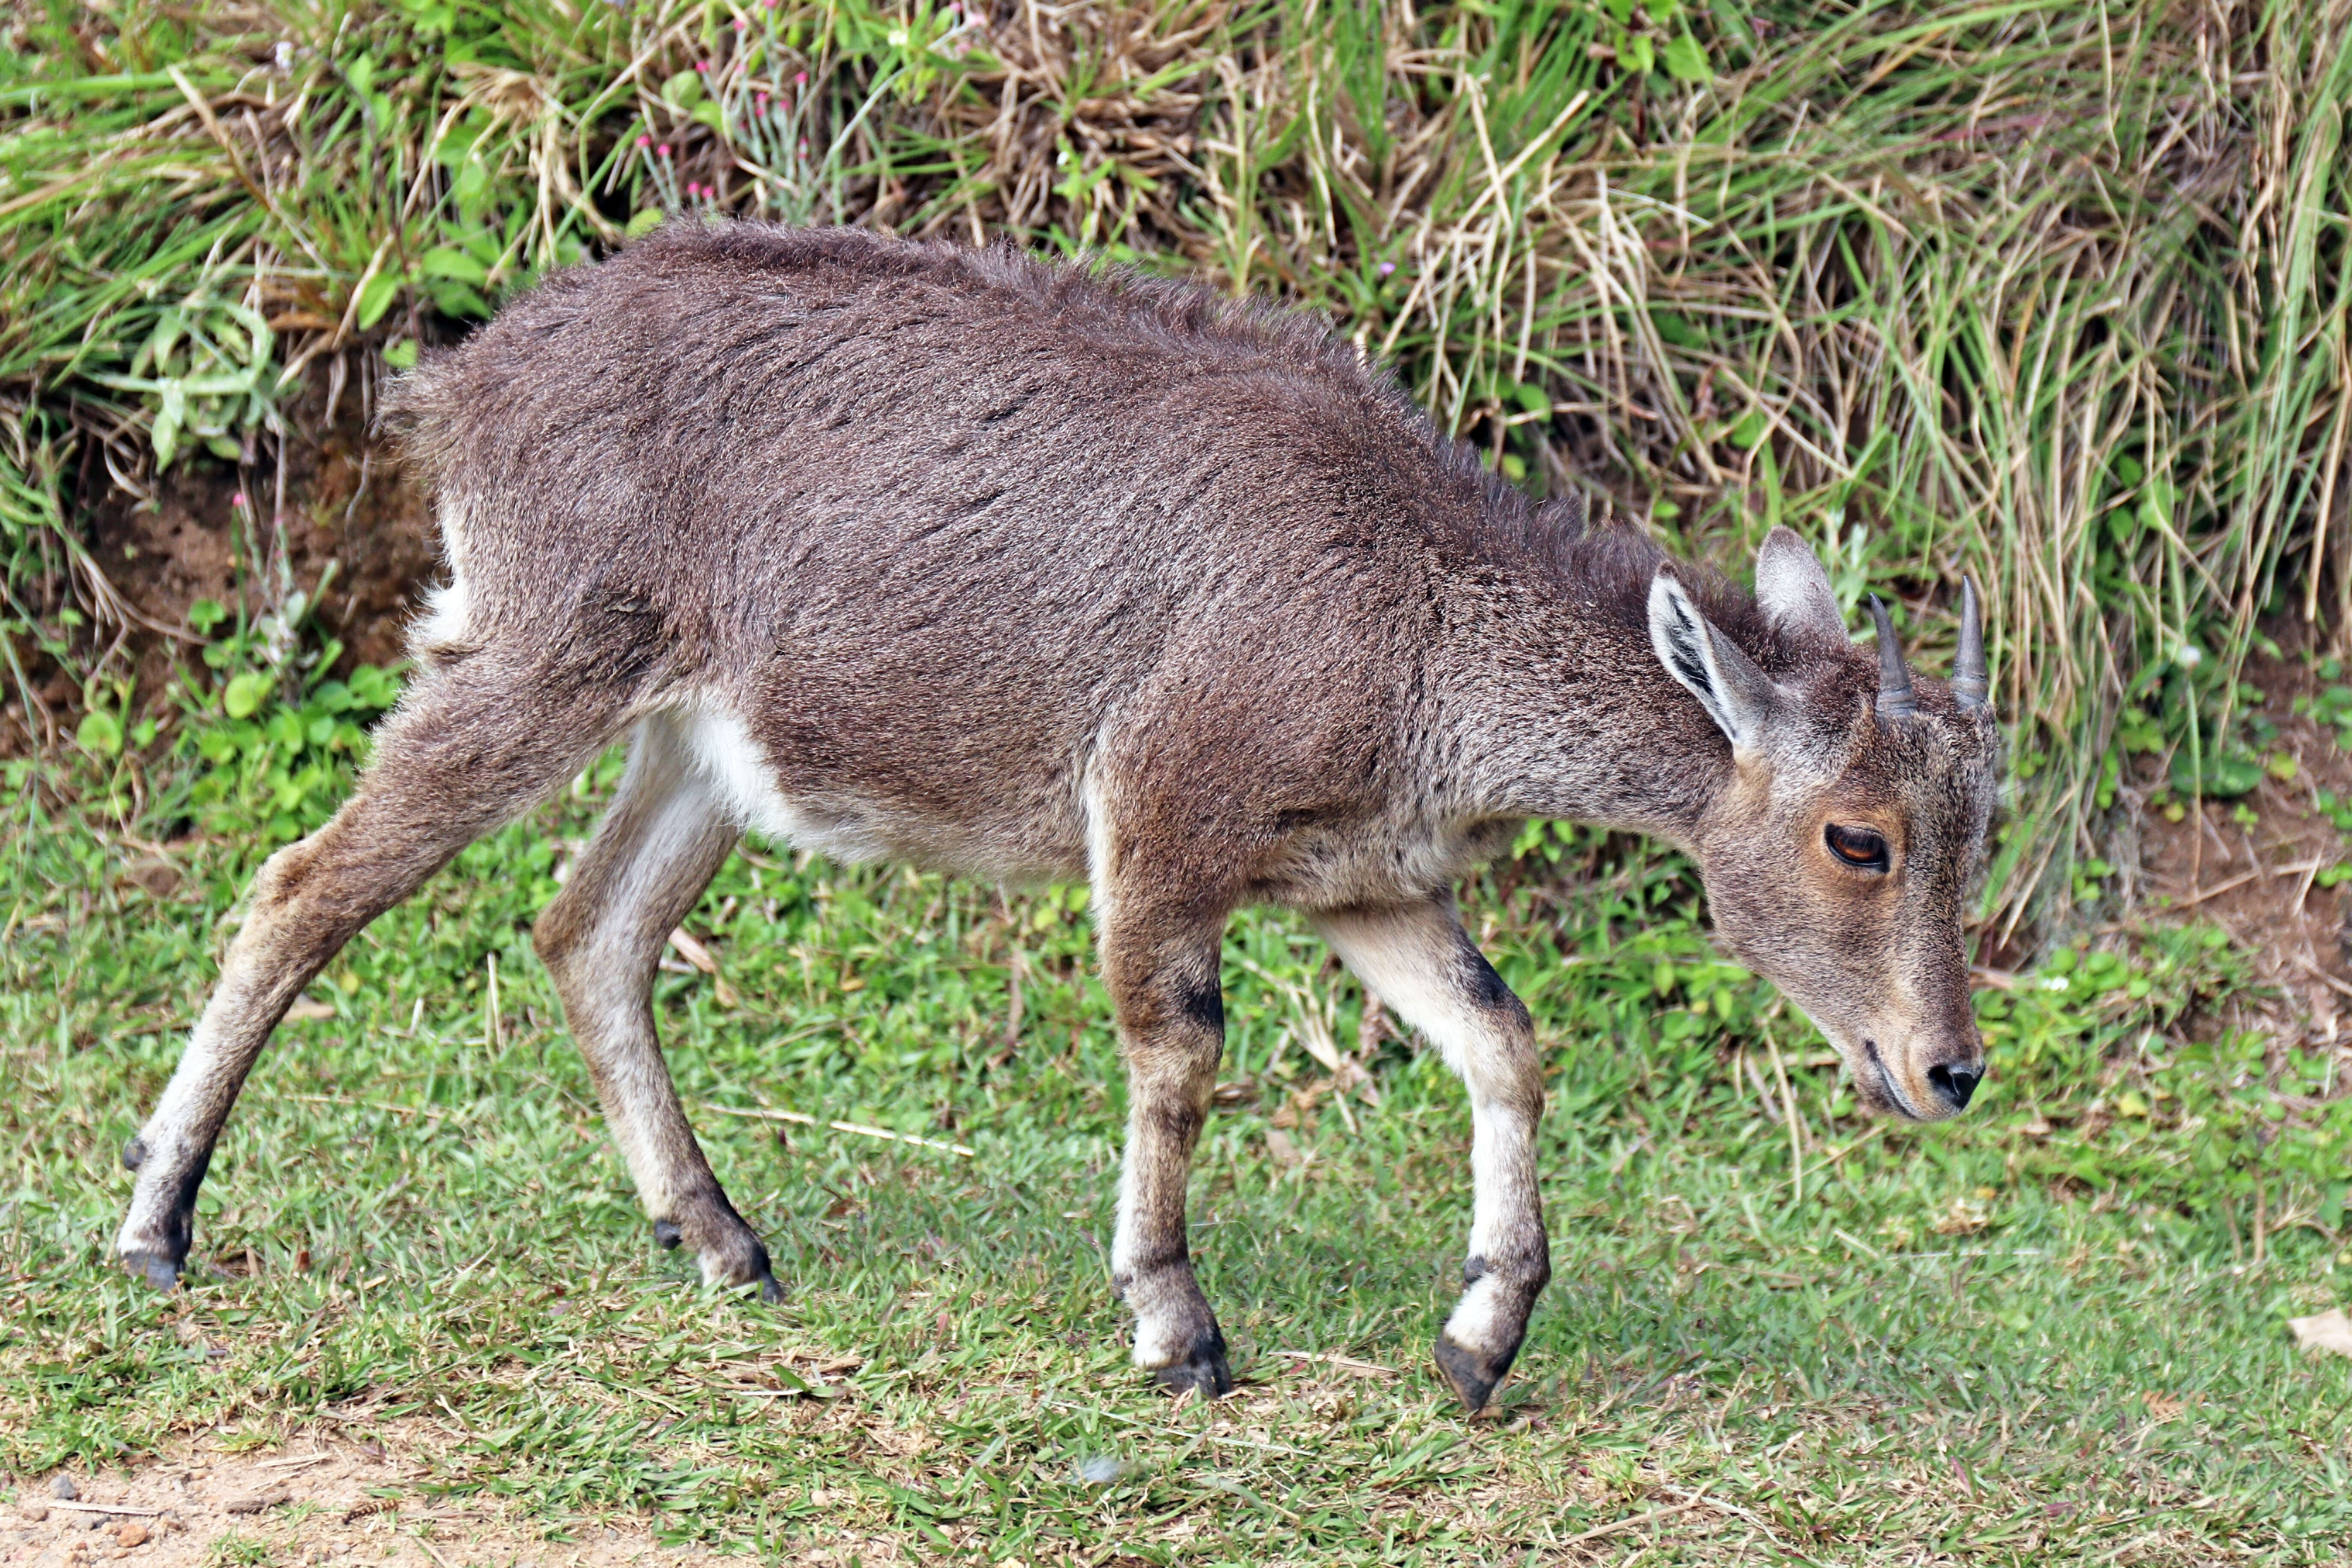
x: 953, y: 557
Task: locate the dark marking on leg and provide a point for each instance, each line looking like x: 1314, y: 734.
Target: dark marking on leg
x: 160, y: 1272
x: 1203, y: 1003
x: 1203, y: 1368
x: 1482, y: 986
x: 162, y: 1267
x: 1473, y: 1271
x: 1473, y: 1375
x: 1158, y: 1261
x: 666, y: 1233
x: 134, y: 1153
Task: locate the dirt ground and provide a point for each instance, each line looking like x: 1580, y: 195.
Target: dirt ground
x: 2259, y: 880
x: 344, y: 507
x: 324, y: 1500
x: 345, y: 518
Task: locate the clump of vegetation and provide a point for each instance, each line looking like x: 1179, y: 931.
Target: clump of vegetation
x: 2053, y: 294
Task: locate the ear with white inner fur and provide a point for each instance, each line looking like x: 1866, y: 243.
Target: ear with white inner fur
x: 1737, y: 695
x: 1792, y: 590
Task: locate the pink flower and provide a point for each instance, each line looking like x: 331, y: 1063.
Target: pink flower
x: 662, y: 148
x: 644, y: 140
x: 237, y: 499
x: 741, y: 23
x: 702, y: 66
x: 1387, y: 267
x: 801, y: 80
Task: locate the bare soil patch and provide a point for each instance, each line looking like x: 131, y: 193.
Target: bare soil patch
x: 323, y: 1498
x: 2254, y: 865
x: 343, y: 504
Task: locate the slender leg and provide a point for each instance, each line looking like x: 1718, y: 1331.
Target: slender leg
x: 1422, y: 962
x: 1161, y: 970
x: 458, y: 759
x: 663, y: 840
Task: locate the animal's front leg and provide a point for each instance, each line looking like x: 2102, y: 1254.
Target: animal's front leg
x: 1162, y: 974
x: 1422, y: 962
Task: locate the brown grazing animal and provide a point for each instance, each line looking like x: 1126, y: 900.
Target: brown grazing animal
x: 897, y: 551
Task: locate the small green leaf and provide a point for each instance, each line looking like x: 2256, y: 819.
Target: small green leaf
x: 449, y: 261
x: 376, y: 299
x: 401, y: 355
x: 101, y: 733
x: 1531, y: 399
x: 246, y: 694
x: 1678, y: 330
x: 1685, y: 61
x: 1637, y: 56
x: 645, y: 223
x: 1751, y: 430
x: 168, y: 420
x: 2224, y: 778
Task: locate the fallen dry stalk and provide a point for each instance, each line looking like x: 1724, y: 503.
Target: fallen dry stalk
x: 862, y: 1131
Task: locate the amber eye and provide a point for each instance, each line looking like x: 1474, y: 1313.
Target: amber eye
x: 1859, y: 848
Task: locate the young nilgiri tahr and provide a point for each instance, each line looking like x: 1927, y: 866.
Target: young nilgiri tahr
x: 896, y: 550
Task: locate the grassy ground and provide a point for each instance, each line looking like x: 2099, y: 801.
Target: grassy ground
x: 2049, y: 1332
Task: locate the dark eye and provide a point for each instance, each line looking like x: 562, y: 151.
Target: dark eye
x: 1859, y: 848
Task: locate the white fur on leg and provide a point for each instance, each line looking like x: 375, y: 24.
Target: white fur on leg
x: 1475, y: 1323
x: 1502, y: 1157
x: 603, y: 967
x: 1163, y: 1337
x: 1414, y: 958
x: 220, y: 1052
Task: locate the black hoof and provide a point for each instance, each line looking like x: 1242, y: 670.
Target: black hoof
x: 666, y: 1233
x: 134, y: 1153
x: 1473, y: 1376
x: 770, y: 1291
x: 162, y: 1273
x: 1203, y: 1370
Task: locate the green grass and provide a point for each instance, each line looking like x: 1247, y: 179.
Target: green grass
x: 1947, y: 1344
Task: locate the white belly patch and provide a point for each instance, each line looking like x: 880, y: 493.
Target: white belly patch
x: 723, y: 749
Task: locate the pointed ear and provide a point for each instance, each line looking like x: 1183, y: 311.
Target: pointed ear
x: 1737, y: 695
x: 1792, y: 590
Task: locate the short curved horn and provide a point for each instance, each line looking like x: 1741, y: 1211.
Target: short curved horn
x: 1970, y: 684
x: 1895, y: 698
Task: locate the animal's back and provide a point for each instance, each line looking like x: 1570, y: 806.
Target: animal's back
x: 919, y: 529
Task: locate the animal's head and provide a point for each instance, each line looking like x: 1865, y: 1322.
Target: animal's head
x: 1837, y: 859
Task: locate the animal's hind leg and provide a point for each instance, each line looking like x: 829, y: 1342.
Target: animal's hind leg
x: 1418, y: 958
x: 458, y: 758
x: 657, y: 848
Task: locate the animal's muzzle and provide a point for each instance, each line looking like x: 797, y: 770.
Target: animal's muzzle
x: 1955, y: 1082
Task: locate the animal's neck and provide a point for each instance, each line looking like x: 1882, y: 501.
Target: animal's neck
x: 1553, y: 704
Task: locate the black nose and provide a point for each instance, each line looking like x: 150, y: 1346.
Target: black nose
x: 1956, y: 1084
